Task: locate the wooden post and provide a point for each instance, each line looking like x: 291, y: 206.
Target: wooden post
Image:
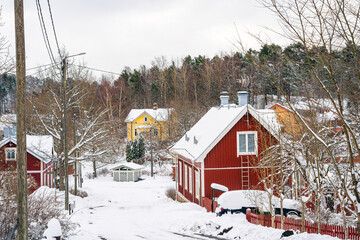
x: 65, y: 136
x: 20, y: 122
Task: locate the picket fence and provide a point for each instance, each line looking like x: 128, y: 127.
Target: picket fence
x: 295, y: 224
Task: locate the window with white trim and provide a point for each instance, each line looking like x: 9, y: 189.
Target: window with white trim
x: 190, y: 180
x: 136, y: 133
x: 247, y: 143
x: 145, y: 118
x: 10, y: 154
x: 180, y: 173
x: 156, y: 132
x: 185, y: 178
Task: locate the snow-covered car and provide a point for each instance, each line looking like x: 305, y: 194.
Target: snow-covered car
x: 240, y: 200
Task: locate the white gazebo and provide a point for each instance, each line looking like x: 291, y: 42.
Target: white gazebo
x: 127, y: 172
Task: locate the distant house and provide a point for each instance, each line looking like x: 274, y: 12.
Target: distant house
x: 40, y: 156
x: 224, y: 147
x: 289, y: 121
x: 157, y: 121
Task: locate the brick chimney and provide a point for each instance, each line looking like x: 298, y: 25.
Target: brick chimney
x: 155, y: 106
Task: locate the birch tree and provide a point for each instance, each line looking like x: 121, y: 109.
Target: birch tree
x: 324, y: 28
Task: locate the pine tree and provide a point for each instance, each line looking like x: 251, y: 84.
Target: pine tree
x: 141, y: 147
x: 129, y: 155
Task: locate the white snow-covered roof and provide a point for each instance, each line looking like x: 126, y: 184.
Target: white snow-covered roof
x: 143, y: 126
x: 129, y: 165
x: 213, y: 126
x: 39, y: 146
x: 160, y: 114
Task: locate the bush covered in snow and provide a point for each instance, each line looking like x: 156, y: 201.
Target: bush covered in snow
x: 80, y: 193
x: 42, y: 206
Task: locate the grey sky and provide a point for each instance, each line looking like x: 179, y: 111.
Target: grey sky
x: 118, y: 33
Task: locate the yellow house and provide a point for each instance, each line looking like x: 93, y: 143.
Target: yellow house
x: 156, y: 121
x: 290, y: 122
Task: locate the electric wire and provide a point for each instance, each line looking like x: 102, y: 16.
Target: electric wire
x: 98, y: 70
x: 53, y: 26
x: 44, y: 32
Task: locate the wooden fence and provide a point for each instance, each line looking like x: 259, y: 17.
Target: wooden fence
x: 290, y: 223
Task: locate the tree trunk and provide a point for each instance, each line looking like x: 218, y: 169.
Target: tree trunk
x: 94, y: 169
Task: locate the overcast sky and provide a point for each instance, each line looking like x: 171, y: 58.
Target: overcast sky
x: 119, y: 33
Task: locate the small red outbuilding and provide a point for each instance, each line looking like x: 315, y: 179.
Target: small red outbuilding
x: 40, y: 157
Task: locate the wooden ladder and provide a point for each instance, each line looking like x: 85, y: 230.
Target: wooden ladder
x: 245, y: 173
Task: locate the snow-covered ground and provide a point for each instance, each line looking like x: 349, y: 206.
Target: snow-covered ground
x: 140, y: 210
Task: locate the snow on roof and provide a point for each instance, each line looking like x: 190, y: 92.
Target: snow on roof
x: 39, y: 146
x: 143, y: 126
x: 130, y: 165
x: 160, y: 114
x: 213, y: 126
x: 219, y: 187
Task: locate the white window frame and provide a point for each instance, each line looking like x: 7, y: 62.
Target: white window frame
x: 180, y: 173
x: 197, y: 185
x: 246, y: 133
x: 136, y: 132
x: 6, y: 153
x: 156, y: 132
x: 185, y: 177
x: 190, y: 180
x: 145, y: 118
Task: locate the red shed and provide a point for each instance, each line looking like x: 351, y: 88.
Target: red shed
x: 40, y: 156
x: 223, y: 147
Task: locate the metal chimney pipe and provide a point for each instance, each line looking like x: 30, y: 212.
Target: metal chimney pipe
x: 242, y: 98
x: 224, y: 98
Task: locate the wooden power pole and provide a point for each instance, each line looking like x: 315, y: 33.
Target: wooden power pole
x: 20, y: 122
x: 65, y: 136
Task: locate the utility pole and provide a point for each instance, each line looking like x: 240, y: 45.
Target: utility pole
x: 64, y: 66
x: 75, y: 154
x: 65, y: 137
x: 151, y: 153
x: 20, y: 122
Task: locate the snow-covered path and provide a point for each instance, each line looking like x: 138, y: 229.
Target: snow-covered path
x: 140, y: 210
x: 116, y: 210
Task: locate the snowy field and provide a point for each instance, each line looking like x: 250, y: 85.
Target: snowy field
x: 140, y: 210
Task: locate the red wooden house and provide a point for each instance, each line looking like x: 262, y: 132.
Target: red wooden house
x: 224, y: 147
x: 40, y: 156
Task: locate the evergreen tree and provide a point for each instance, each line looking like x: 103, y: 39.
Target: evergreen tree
x: 129, y: 155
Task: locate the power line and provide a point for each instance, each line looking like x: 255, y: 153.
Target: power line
x: 44, y: 32
x: 53, y: 25
x: 98, y: 70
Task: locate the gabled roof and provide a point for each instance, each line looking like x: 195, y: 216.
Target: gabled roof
x: 215, y: 124
x: 280, y: 105
x: 160, y: 114
x: 129, y: 165
x: 40, y: 147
